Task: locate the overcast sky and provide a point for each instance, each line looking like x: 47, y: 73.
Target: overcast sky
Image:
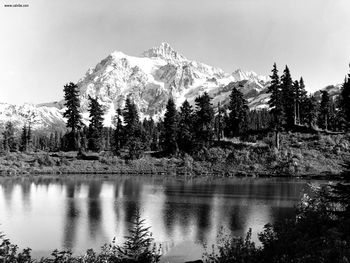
x: 50, y: 43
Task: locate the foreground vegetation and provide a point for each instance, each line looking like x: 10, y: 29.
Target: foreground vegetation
x: 319, y: 232
x: 299, y: 155
x: 137, y: 248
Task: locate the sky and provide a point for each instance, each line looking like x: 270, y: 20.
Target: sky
x: 52, y: 42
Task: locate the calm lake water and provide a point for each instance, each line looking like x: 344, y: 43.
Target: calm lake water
x: 79, y: 213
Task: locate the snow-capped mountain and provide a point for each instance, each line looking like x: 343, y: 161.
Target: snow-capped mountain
x: 156, y: 75
x: 149, y: 79
x: 38, y: 116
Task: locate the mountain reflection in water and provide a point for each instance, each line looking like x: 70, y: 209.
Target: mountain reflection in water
x: 79, y: 213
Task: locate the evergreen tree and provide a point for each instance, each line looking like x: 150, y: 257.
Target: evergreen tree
x: 82, y: 138
x: 24, y: 138
x: 276, y: 103
x: 296, y: 87
x: 334, y: 120
x: 132, y: 130
x: 9, y: 141
x: 204, y: 122
x: 185, y: 131
x: 72, y: 102
x: 324, y: 110
x: 345, y: 101
x: 170, y: 128
x: 96, y: 125
x: 259, y: 120
x: 311, y: 107
x: 118, y: 132
x: 131, y: 119
x: 52, y: 142
x: 301, y: 102
x: 155, y: 138
x: 138, y: 245
x: 276, y: 99
x: 238, y: 112
x: 108, y: 138
x: 150, y: 131
x: 288, y: 97
x: 219, y: 123
x: 57, y: 141
x: 29, y: 135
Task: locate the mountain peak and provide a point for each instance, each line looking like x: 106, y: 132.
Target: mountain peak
x: 165, y: 51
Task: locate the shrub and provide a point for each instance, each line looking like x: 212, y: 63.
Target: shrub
x: 45, y: 160
x: 232, y: 249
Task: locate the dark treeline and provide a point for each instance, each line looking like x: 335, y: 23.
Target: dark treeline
x: 189, y: 128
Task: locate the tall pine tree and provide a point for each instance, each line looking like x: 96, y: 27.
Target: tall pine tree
x: 185, y: 131
x: 119, y: 138
x: 72, y: 113
x: 132, y: 129
x: 131, y: 119
x: 9, y: 141
x: 238, y: 107
x: 302, y: 98
x: 276, y: 103
x: 96, y: 125
x: 345, y: 102
x: 288, y: 97
x: 170, y: 128
x: 26, y: 138
x: 324, y: 110
x: 204, y: 120
x: 311, y: 107
x: 219, y: 122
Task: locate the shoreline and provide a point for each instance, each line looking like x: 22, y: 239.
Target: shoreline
x: 300, y: 156
x: 170, y: 174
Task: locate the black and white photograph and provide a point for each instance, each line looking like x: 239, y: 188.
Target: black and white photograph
x: 187, y: 131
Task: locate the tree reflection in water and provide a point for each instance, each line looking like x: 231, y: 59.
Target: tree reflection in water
x: 182, y: 215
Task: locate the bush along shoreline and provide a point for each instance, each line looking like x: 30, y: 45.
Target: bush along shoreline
x: 300, y: 155
x: 319, y: 232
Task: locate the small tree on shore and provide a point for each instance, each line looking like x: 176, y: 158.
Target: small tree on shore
x: 138, y: 245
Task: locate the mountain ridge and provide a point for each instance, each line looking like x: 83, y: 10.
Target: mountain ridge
x: 149, y: 79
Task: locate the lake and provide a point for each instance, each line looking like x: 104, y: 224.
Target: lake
x: 80, y: 212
